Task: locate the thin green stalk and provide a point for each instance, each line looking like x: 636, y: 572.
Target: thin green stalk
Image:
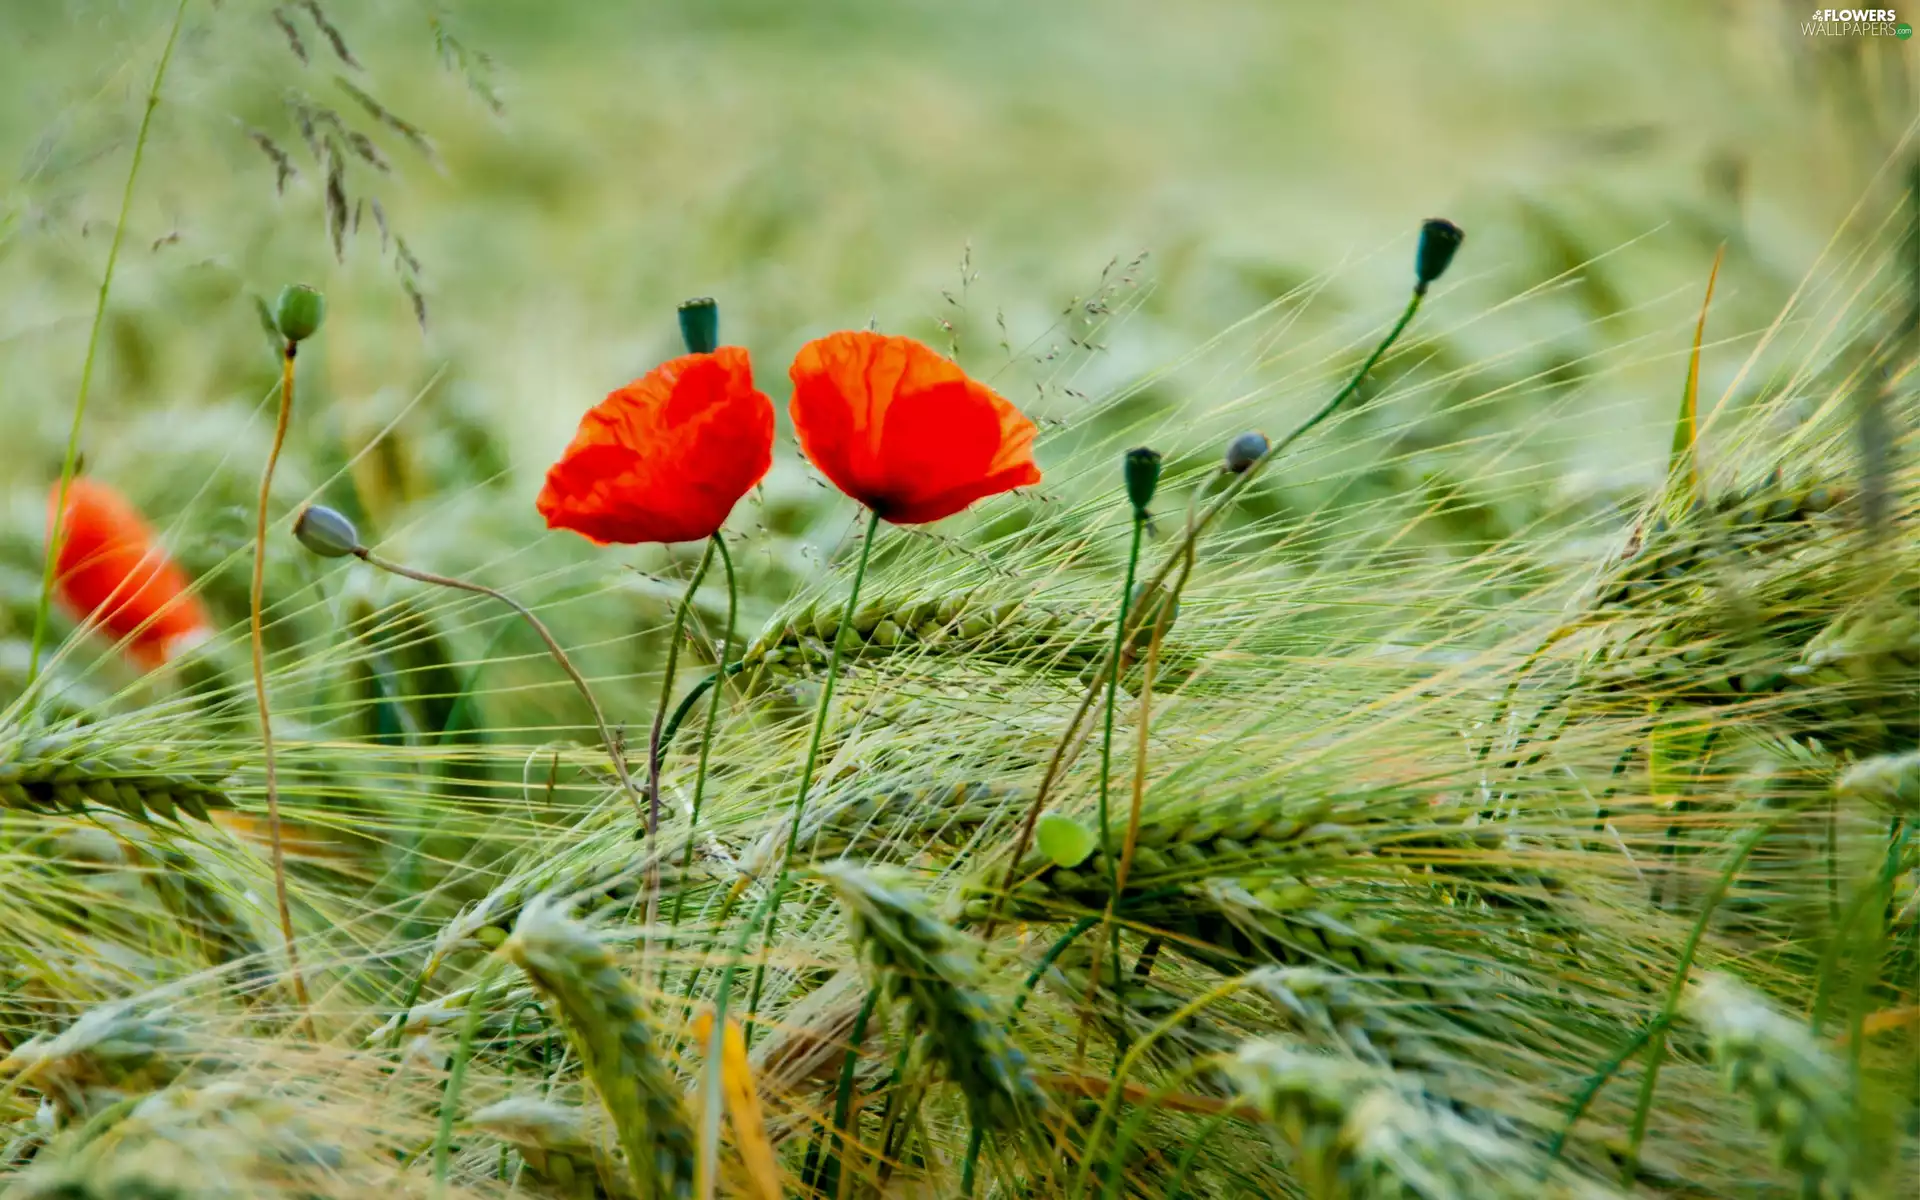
x: 93, y: 345
x: 666, y: 688
x: 1142, y: 1113
x: 890, y: 1120
x: 1590, y: 1091
x: 457, y: 1076
x: 971, y: 1163
x: 653, y: 748
x: 693, y: 697
x: 1113, y: 688
x: 414, y: 988
x: 806, y: 774
x: 1837, y: 940
x: 1656, y: 1052
x: 1106, y: 774
x: 1201, y: 1137
x: 829, y: 1176
x: 1053, y: 953
x: 1195, y: 528
x: 706, y: 740
x: 1130, y: 1060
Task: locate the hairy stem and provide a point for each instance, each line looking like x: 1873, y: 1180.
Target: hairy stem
x: 257, y: 627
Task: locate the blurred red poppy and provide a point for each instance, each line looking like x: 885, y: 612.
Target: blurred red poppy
x: 665, y: 458
x: 111, y: 572
x: 903, y: 430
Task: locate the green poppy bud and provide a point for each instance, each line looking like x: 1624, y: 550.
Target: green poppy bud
x: 299, y: 312
x: 1142, y: 471
x: 700, y: 325
x: 1439, y: 239
x: 326, y: 532
x: 1245, y: 450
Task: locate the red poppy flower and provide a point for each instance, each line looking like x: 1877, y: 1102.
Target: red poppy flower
x: 111, y: 572
x: 665, y: 458
x: 903, y: 430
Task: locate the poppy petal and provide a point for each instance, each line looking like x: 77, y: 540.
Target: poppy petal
x: 903, y: 430
x: 665, y: 458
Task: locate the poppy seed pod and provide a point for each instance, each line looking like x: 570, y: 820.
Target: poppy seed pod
x: 1439, y: 238
x: 326, y: 532
x: 299, y: 312
x: 700, y: 325
x: 1245, y: 450
x: 1142, y: 471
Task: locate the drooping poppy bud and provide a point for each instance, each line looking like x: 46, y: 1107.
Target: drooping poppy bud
x: 1439, y: 238
x: 903, y: 430
x: 700, y: 325
x: 1245, y: 450
x: 326, y: 532
x: 299, y: 312
x: 1142, y: 471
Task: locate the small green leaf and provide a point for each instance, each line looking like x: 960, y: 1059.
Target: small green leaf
x: 1064, y: 840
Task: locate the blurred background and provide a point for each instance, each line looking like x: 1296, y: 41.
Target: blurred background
x: 1140, y: 221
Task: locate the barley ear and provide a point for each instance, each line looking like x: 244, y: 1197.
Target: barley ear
x: 934, y: 971
x: 1799, y: 1094
x: 611, y: 1031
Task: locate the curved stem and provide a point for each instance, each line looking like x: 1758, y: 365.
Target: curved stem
x: 706, y: 739
x: 546, y: 637
x: 699, y: 689
x: 58, y: 525
x: 257, y: 627
x: 806, y: 772
x: 1194, y: 529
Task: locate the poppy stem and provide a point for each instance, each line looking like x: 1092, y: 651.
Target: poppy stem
x: 68, y: 465
x: 1195, y: 528
x: 706, y: 740
x: 554, y: 651
x: 806, y: 781
x: 653, y: 745
x: 257, y: 628
x: 1106, y: 764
